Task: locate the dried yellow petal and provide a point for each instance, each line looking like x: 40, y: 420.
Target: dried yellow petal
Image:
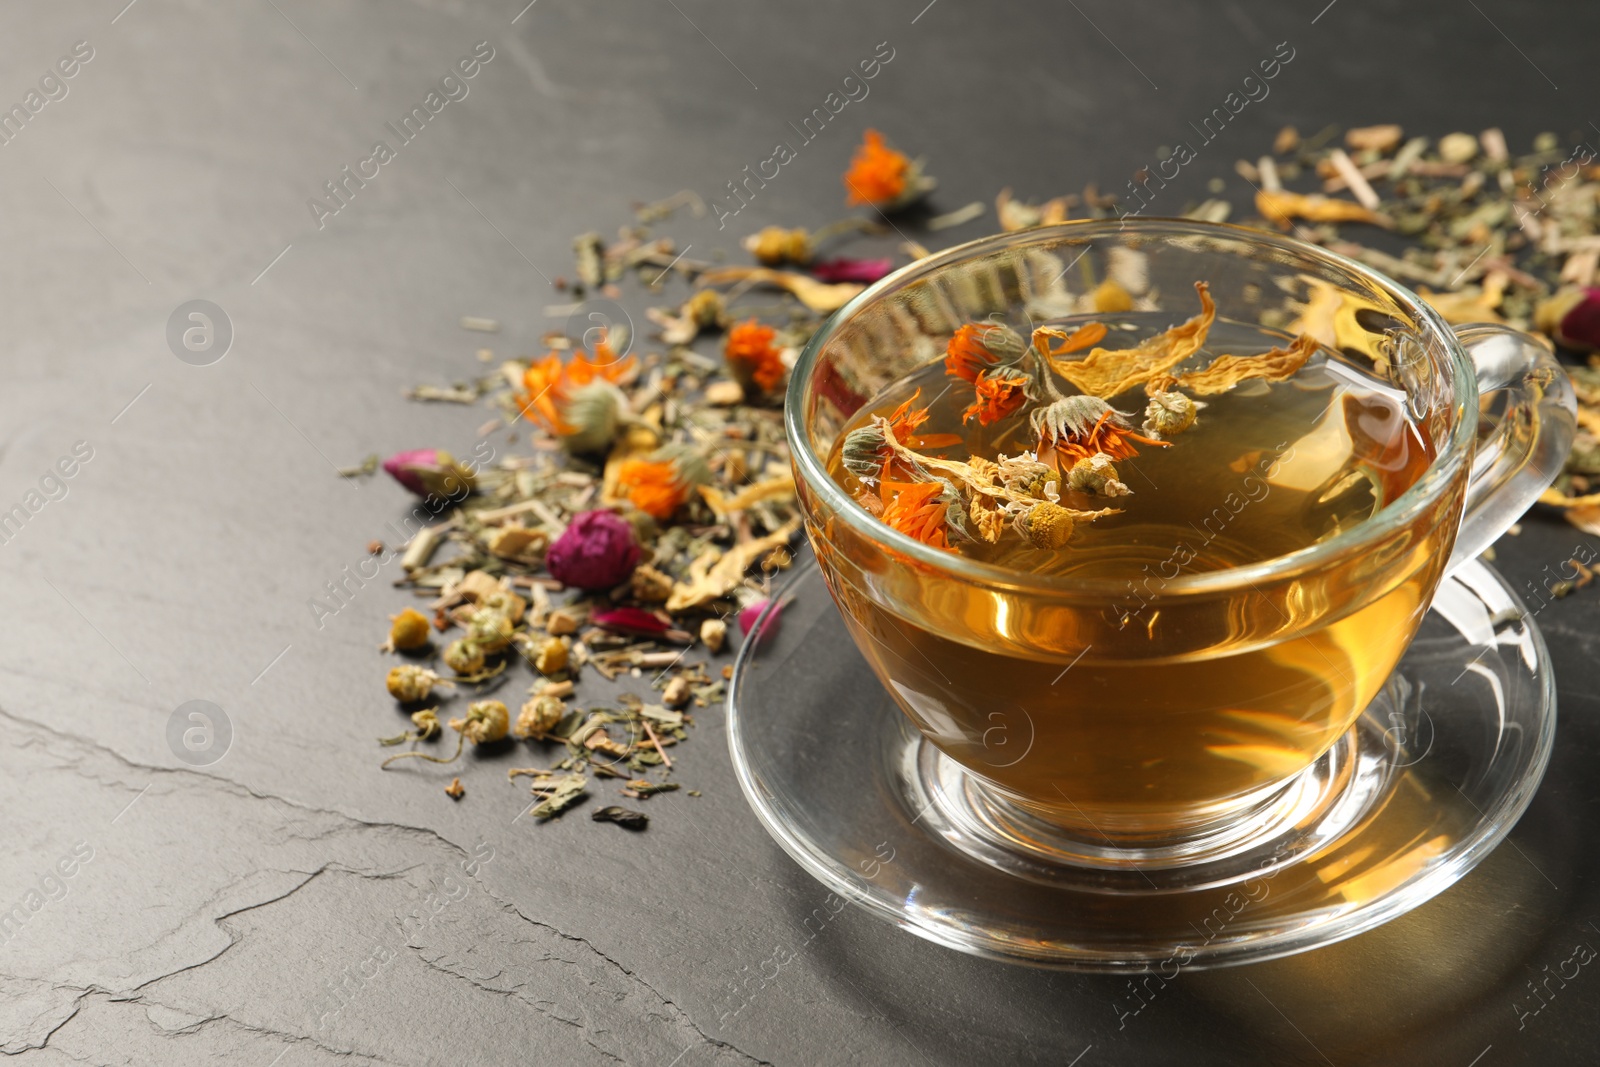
x: 1107, y: 372
x: 1280, y: 206
x: 1225, y: 372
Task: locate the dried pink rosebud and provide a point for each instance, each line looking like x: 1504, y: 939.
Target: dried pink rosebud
x: 631, y: 620
x: 750, y: 615
x: 866, y: 271
x: 597, y: 551
x: 1571, y: 317
x: 430, y: 472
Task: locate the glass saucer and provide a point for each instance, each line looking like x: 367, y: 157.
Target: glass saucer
x: 1433, y: 776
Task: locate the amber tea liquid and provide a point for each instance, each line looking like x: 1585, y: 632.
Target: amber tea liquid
x: 1153, y: 715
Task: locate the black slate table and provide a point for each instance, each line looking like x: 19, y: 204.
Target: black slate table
x: 289, y: 905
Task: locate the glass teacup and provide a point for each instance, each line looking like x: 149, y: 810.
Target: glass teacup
x: 1161, y: 720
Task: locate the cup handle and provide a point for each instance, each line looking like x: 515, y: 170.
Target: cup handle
x: 1527, y: 417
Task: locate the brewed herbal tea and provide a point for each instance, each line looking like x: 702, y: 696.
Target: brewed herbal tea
x: 1108, y: 449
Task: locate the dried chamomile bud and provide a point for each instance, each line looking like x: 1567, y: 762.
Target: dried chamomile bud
x: 408, y: 683
x: 464, y: 657
x: 1096, y: 474
x: 1047, y: 526
x: 714, y: 634
x: 427, y: 723
x: 706, y: 309
x: 486, y: 721
x: 775, y: 246
x: 538, y: 717
x: 489, y: 631
x: 407, y: 630
x: 1168, y: 414
x: 650, y: 585
x: 552, y: 656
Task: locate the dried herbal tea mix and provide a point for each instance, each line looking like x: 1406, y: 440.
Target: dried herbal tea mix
x: 653, y: 502
x: 1093, y: 446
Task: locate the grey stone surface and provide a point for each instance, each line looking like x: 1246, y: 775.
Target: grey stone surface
x: 220, y: 905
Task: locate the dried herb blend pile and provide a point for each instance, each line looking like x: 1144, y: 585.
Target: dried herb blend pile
x: 647, y: 502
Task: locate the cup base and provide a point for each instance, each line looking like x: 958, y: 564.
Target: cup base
x: 1432, y: 777
x: 1287, y: 822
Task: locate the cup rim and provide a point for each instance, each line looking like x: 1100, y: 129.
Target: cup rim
x: 1402, y: 510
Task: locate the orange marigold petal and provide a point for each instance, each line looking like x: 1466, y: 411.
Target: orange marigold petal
x: 877, y: 173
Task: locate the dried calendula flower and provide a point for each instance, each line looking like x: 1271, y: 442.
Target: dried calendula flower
x: 550, y: 387
x: 995, y: 398
x: 1107, y: 372
x: 409, y: 683
x: 455, y: 790
x: 1079, y: 426
x: 714, y: 634
x: 660, y: 483
x: 489, y: 631
x: 754, y: 361
x: 552, y: 655
x: 464, y: 656
x: 486, y: 721
x: 1096, y: 474
x: 917, y: 509
x: 1047, y: 526
x: 883, y: 177
x: 977, y: 347
x: 407, y: 630
x: 538, y: 717
x: 1225, y: 372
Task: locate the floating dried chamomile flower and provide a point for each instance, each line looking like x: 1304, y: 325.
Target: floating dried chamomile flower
x: 538, y: 717
x: 409, y: 683
x: 489, y: 631
x: 486, y: 721
x: 1169, y: 413
x: 1046, y: 526
x: 407, y: 630
x: 1096, y: 474
x: 464, y: 656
